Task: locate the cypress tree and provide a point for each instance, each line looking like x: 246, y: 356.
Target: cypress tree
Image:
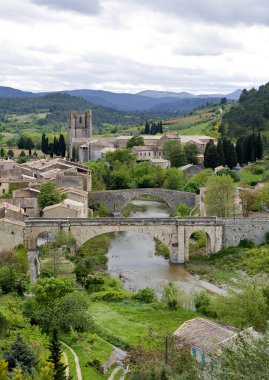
x: 222, y: 160
x: 231, y: 156
x: 147, y: 128
x: 239, y: 148
x: 19, y: 355
x: 225, y: 145
x: 211, y: 156
x: 44, y: 144
x: 55, y: 356
x: 153, y: 129
x: 161, y: 127
x: 250, y: 149
x: 259, y: 146
x: 62, y: 146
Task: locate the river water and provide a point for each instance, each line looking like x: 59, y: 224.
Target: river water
x: 131, y: 256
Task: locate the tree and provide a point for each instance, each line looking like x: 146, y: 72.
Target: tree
x: 62, y: 145
x: 56, y: 356
x: 231, y: 159
x: 191, y: 152
x: 2, y: 152
x: 249, y: 201
x: 20, y: 356
x: 240, y: 151
x: 220, y: 151
x: 174, y: 179
x: 259, y: 146
x: 135, y: 141
x: 174, y: 152
x: 247, y: 358
x: 44, y: 144
x: 56, y: 146
x: 211, y: 156
x: 219, y: 196
x: 147, y: 128
x: 22, y: 154
x: 10, y: 153
x: 29, y: 145
x: 49, y: 195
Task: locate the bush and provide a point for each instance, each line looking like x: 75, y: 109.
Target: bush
x: 94, y: 284
x: 202, y: 302
x: 246, y: 243
x: 235, y: 176
x: 146, y: 295
x: 111, y: 296
x: 182, y: 210
x: 172, y: 296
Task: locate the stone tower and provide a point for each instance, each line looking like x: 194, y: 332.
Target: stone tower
x: 79, y: 128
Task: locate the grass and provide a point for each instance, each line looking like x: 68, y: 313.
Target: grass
x: 226, y: 266
x: 254, y: 173
x: 130, y: 208
x: 161, y: 249
x: 131, y: 322
x: 92, y: 352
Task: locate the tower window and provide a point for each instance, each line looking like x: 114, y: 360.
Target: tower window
x: 80, y: 120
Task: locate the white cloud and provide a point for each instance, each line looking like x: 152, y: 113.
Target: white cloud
x: 132, y: 45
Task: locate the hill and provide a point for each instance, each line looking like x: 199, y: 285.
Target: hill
x: 250, y: 114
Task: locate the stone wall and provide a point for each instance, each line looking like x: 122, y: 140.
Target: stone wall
x: 11, y: 233
x: 235, y: 230
x: 116, y: 200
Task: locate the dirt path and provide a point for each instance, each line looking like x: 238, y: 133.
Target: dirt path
x: 78, y: 369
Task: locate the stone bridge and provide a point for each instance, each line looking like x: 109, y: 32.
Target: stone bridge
x: 116, y: 200
x: 174, y: 232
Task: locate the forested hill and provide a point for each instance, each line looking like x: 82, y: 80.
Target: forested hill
x: 250, y: 114
x: 57, y: 107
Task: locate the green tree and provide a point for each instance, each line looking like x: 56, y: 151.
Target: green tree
x: 56, y: 356
x: 219, y: 196
x: 174, y: 152
x: 62, y: 145
x: 135, y: 141
x: 220, y: 151
x: 20, y: 356
x: 121, y: 179
x: 2, y: 152
x: 10, y: 153
x: 174, y: 179
x: 147, y: 128
x: 119, y: 157
x: 231, y: 159
x: 211, y: 156
x: 259, y: 146
x: 49, y: 195
x: 191, y: 152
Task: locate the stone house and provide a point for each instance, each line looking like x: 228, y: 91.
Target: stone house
x: 146, y: 153
x: 206, y: 338
x: 11, y: 212
x: 4, y: 186
x: 66, y: 209
x: 77, y: 195
x: 11, y: 233
x: 190, y: 169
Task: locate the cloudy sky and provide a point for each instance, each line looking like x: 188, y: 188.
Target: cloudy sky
x: 201, y: 46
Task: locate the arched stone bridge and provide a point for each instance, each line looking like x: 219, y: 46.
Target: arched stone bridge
x: 116, y: 200
x: 174, y: 232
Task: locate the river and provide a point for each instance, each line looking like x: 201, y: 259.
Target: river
x: 131, y: 256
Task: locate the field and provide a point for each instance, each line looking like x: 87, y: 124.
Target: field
x: 254, y: 173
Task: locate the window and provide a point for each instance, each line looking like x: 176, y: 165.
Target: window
x: 4, y: 191
x: 80, y: 120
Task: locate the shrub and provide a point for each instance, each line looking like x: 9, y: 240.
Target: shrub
x: 182, y: 210
x: 246, y: 243
x: 202, y: 302
x: 111, y: 296
x: 172, y: 296
x: 146, y: 295
x: 94, y: 284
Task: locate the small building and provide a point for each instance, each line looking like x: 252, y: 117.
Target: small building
x: 11, y: 212
x: 146, y: 153
x: 66, y: 209
x: 4, y: 186
x: 77, y: 195
x: 205, y: 338
x: 160, y: 162
x: 190, y: 169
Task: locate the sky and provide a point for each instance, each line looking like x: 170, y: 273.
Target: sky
x: 199, y: 46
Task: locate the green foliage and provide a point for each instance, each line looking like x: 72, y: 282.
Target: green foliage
x: 20, y: 356
x: 146, y: 295
x: 172, y: 296
x: 211, y: 156
x: 182, y: 210
x: 174, y: 153
x: 49, y: 195
x: 56, y: 356
x: 234, y: 175
x: 111, y: 296
x: 174, y: 179
x: 246, y: 359
x: 219, y: 196
x: 202, y: 302
x: 135, y: 141
x: 191, y: 152
x: 246, y: 243
x: 161, y: 249
x: 100, y: 210
x: 202, y: 177
x: 243, y: 309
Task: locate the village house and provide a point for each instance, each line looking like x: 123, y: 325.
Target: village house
x: 206, y: 338
x: 66, y: 209
x: 190, y: 169
x: 11, y: 212
x: 160, y: 162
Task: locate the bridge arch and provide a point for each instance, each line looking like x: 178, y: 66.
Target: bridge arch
x: 211, y: 241
x: 116, y: 200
